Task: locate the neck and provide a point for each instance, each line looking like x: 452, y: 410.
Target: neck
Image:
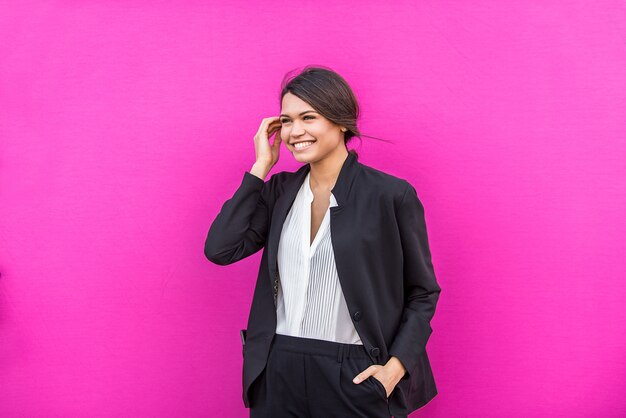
x: 324, y: 172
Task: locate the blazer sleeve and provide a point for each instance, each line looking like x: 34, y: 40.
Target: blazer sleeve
x: 420, y: 284
x: 240, y: 228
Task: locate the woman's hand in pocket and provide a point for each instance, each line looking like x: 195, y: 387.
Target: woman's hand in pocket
x: 386, y: 376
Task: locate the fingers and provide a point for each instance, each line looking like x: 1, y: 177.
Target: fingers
x: 268, y: 125
x: 365, y: 374
x: 277, y: 138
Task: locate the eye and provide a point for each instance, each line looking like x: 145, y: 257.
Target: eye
x: 287, y: 120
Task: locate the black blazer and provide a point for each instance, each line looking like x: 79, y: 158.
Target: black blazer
x: 382, y: 256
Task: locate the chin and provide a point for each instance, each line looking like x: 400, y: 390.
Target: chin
x: 303, y: 158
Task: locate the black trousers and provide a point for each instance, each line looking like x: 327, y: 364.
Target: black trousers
x: 311, y: 378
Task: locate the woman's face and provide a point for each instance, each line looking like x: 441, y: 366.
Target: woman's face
x: 301, y: 123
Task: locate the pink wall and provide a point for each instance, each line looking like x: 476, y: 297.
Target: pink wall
x: 125, y: 125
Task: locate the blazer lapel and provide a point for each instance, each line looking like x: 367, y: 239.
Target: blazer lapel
x: 283, y: 204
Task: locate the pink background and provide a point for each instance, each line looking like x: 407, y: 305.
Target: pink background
x: 124, y: 126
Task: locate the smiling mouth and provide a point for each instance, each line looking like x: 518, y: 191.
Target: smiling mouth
x: 303, y: 145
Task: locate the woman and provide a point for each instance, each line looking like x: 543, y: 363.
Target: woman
x: 346, y: 288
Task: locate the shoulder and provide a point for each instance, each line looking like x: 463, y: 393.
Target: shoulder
x: 376, y: 177
x: 274, y: 185
x: 278, y: 180
x: 386, y: 185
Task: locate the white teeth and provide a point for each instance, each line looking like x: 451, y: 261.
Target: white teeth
x: 301, y: 145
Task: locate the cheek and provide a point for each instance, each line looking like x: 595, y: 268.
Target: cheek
x: 320, y: 132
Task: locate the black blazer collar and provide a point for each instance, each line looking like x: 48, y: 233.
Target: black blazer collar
x: 341, y: 191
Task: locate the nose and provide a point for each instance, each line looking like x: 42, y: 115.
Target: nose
x: 296, y: 130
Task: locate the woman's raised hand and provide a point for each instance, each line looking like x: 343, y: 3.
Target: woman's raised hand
x: 267, y: 155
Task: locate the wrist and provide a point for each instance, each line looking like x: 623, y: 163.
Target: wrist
x: 260, y: 170
x: 396, y: 367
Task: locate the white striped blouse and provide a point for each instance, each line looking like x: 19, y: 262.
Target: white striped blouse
x: 310, y: 302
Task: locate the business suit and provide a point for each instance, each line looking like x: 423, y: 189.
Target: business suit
x: 382, y: 257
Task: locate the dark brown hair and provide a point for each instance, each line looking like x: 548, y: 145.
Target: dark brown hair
x: 329, y: 94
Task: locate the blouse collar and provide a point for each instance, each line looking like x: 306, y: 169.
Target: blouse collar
x: 308, y: 193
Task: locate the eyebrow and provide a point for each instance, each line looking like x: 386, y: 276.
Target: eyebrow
x: 301, y: 113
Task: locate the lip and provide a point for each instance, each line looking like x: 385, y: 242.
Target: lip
x: 305, y: 148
